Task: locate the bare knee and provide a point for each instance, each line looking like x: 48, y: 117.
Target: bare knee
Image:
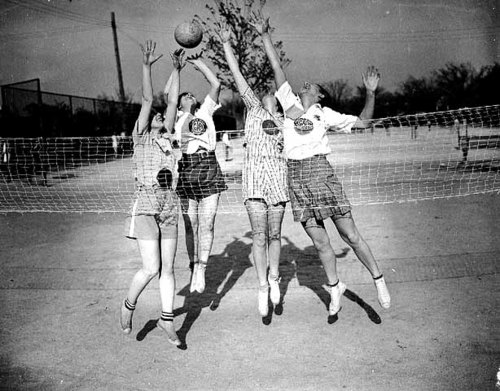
x: 259, y: 239
x: 151, y: 272
x: 274, y: 236
x: 167, y: 270
x: 352, y: 238
x: 320, y: 239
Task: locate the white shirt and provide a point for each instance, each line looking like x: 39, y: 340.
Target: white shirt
x: 190, y: 142
x: 307, y: 143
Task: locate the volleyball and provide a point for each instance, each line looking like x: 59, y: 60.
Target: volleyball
x: 188, y: 34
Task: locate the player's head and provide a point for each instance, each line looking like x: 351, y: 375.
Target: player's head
x: 315, y: 93
x: 156, y: 120
x: 187, y: 102
x: 271, y: 104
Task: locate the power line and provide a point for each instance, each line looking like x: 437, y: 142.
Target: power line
x: 60, y: 13
x: 44, y: 34
x: 312, y: 36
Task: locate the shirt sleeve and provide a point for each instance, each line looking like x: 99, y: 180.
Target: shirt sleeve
x: 338, y: 122
x: 250, y: 99
x: 290, y: 102
x: 209, y: 107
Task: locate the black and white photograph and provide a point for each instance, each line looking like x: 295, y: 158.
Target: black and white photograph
x: 202, y: 195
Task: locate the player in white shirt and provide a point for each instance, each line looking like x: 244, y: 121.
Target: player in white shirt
x: 316, y: 194
x: 200, y: 177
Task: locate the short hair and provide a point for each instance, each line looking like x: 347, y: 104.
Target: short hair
x: 327, y: 98
x: 182, y: 95
x: 193, y: 108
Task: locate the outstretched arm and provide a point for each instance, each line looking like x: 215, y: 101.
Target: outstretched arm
x: 148, y: 59
x: 262, y: 27
x: 209, y: 75
x: 225, y: 37
x: 172, y: 90
x: 370, y: 80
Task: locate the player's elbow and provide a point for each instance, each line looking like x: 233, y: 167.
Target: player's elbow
x: 216, y: 86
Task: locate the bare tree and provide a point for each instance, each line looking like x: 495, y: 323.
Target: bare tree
x: 247, y: 44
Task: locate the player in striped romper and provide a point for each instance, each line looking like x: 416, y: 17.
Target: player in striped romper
x: 153, y: 220
x: 315, y: 191
x: 265, y: 188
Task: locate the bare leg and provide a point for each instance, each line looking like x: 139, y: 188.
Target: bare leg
x: 258, y: 221
x: 257, y: 213
x: 167, y: 289
x: 150, y: 254
x: 275, y: 219
x: 350, y: 234
x: 167, y: 276
x: 190, y: 215
x: 206, y: 215
x: 317, y: 232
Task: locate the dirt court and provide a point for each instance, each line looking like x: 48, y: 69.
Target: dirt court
x: 63, y: 277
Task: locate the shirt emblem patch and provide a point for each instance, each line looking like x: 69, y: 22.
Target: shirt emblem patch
x: 164, y: 178
x: 197, y: 126
x: 270, y: 127
x: 303, y: 125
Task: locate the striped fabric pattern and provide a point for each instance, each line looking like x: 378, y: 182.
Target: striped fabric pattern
x: 151, y: 153
x: 265, y: 169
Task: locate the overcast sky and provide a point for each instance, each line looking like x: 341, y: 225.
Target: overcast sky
x: 69, y: 45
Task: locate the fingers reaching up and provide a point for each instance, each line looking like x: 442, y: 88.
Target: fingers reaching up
x: 371, y: 78
x: 260, y: 23
x: 224, y: 31
x: 148, y: 53
x: 178, y: 59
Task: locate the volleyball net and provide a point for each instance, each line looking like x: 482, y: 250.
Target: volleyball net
x: 398, y: 159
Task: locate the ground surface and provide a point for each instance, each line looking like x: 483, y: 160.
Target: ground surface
x: 62, y: 278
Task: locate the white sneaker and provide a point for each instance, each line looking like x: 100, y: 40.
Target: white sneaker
x: 336, y: 294
x: 263, y: 301
x: 200, y: 277
x: 194, y: 275
x: 275, y: 294
x: 384, y: 298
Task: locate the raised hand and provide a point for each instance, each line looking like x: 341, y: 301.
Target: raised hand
x: 178, y: 59
x: 148, y: 53
x: 260, y: 23
x: 371, y: 78
x: 196, y: 60
x: 194, y: 57
x: 224, y: 32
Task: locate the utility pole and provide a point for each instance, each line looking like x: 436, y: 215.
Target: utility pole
x: 117, y: 55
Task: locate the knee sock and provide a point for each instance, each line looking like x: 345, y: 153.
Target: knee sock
x: 129, y: 305
x: 167, y: 316
x: 333, y: 285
